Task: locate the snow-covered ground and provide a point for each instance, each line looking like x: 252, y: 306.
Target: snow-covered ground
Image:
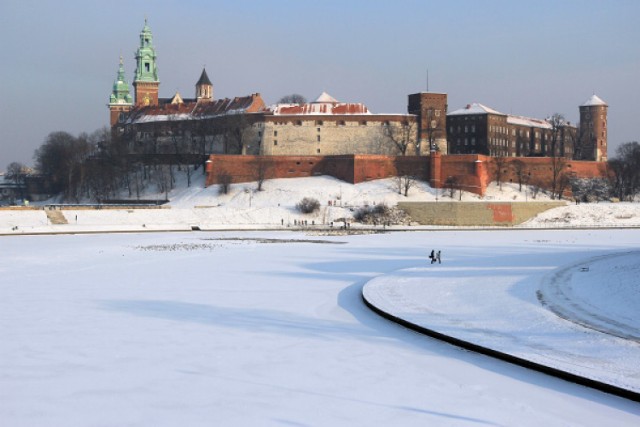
x: 275, y: 207
x: 581, y: 317
x: 268, y: 328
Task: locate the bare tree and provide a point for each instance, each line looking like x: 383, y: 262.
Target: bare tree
x: 523, y: 144
x: 61, y: 157
x: 262, y: 168
x: 294, y: 98
x: 559, y: 176
x: 556, y: 121
x: 235, y: 132
x: 433, y: 124
x: 224, y: 179
x: 450, y: 184
x: 16, y: 172
x: 404, y: 183
x: 625, y: 168
x: 519, y: 169
x: 499, y: 164
x: 402, y: 135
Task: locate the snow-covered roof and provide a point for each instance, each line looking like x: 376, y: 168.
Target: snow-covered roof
x: 194, y: 110
x: 528, y: 121
x: 594, y: 100
x: 325, y: 97
x: 475, y: 108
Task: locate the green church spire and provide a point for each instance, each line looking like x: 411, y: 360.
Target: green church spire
x: 146, y: 68
x: 120, y: 93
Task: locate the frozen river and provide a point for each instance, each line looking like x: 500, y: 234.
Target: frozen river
x: 265, y: 329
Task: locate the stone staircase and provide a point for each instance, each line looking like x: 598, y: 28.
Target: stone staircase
x: 56, y: 217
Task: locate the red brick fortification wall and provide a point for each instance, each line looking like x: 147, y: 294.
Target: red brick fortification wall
x: 368, y: 167
x: 243, y: 168
x: 539, y: 170
x: 468, y: 172
x: 472, y: 173
x: 349, y: 168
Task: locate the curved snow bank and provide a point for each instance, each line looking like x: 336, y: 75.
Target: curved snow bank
x: 588, y: 215
x: 602, y: 293
x: 495, y: 311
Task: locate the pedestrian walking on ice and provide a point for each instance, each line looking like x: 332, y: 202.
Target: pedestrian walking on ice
x: 438, y: 257
x: 432, y: 256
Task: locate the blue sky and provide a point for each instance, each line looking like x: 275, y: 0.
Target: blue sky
x: 531, y: 58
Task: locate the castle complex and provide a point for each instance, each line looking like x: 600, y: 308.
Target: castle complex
x: 246, y: 125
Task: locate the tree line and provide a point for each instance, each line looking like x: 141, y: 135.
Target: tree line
x: 100, y: 165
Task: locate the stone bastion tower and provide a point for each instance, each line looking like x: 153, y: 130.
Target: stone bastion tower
x: 593, y: 130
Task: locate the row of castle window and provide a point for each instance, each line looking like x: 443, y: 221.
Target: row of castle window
x: 338, y: 123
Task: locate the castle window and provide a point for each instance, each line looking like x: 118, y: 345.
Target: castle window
x: 298, y: 123
x: 340, y: 123
x: 275, y: 133
x: 318, y: 138
x: 363, y: 123
x: 319, y: 123
x: 318, y: 151
x: 318, y: 129
x: 146, y: 67
x: 275, y: 142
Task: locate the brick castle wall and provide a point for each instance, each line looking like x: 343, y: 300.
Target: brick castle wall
x: 349, y: 168
x: 471, y: 172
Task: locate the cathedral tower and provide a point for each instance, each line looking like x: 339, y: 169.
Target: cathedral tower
x: 120, y: 100
x: 204, y: 88
x: 593, y: 130
x: 146, y: 81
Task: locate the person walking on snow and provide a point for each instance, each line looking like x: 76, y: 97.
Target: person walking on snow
x: 438, y: 257
x: 432, y: 256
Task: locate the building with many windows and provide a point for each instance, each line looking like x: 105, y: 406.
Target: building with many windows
x: 246, y: 125
x: 204, y: 125
x: 478, y: 129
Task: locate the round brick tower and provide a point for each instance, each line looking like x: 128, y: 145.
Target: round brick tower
x: 593, y: 130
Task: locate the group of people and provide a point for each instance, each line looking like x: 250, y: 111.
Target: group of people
x: 435, y: 256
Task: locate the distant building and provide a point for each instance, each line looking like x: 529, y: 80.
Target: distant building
x: 478, y: 129
x: 204, y: 125
x: 246, y: 125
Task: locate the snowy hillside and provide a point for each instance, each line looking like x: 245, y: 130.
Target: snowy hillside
x: 275, y: 207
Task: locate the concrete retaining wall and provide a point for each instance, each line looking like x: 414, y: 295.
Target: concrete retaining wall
x: 475, y: 213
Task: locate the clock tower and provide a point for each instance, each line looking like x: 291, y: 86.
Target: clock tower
x: 146, y: 81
